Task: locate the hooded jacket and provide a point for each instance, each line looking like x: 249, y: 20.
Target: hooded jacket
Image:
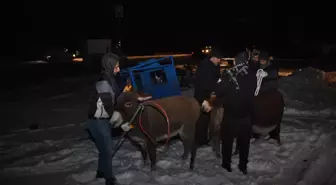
x: 104, y: 96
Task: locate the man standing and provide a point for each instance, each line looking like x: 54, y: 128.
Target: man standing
x: 236, y: 92
x: 207, y: 76
x: 101, y: 108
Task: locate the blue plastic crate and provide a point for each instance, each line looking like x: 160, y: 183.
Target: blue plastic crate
x: 156, y: 77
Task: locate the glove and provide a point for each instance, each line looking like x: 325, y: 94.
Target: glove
x: 264, y: 74
x: 126, y: 127
x: 206, y: 106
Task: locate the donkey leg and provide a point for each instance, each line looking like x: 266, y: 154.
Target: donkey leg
x: 275, y: 134
x: 236, y: 152
x: 151, y: 148
x: 217, y: 143
x: 193, y: 154
x: 144, y: 153
x: 143, y: 149
x: 216, y: 120
x: 187, y: 142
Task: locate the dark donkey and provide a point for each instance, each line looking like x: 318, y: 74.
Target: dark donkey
x: 267, y: 115
x: 159, y: 120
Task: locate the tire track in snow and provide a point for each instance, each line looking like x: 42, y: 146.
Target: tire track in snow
x: 301, y: 170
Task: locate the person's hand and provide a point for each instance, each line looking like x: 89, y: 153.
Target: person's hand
x: 206, y: 106
x: 126, y: 127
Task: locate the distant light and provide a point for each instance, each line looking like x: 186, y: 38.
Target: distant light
x: 206, y: 51
x: 74, y: 55
x: 66, y: 50
x: 284, y: 73
x: 224, y: 64
x: 203, y: 51
x: 77, y: 60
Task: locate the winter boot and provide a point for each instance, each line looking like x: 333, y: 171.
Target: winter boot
x: 243, y: 168
x: 99, y: 174
x: 227, y: 167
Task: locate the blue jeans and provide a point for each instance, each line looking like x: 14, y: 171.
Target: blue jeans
x: 100, y: 130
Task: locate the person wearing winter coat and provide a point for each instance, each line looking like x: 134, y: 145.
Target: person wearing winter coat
x: 236, y: 92
x: 101, y: 108
x: 207, y: 76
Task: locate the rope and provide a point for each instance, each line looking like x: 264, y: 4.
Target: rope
x: 260, y: 75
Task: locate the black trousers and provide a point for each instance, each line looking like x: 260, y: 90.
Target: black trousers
x: 231, y: 128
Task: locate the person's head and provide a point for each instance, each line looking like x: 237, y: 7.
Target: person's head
x: 263, y: 58
x: 255, y: 55
x: 215, y: 56
x: 110, y: 64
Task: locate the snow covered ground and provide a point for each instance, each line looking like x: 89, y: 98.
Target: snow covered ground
x: 309, y: 147
x: 306, y: 157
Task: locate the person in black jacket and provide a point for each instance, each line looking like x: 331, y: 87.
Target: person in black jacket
x: 236, y: 92
x: 207, y: 76
x: 101, y: 108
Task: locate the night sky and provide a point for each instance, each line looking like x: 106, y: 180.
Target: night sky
x: 165, y: 26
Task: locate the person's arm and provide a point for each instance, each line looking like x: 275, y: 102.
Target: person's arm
x: 209, y: 87
x: 221, y: 91
x: 203, y: 82
x: 106, y: 95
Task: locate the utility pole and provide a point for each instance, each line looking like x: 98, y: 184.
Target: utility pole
x: 119, y: 14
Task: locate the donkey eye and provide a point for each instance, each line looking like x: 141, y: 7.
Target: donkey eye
x: 128, y: 104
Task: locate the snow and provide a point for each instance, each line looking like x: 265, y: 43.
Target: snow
x: 268, y: 161
x: 310, y: 113
x: 306, y: 157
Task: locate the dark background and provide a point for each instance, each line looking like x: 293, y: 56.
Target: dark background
x: 32, y: 26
